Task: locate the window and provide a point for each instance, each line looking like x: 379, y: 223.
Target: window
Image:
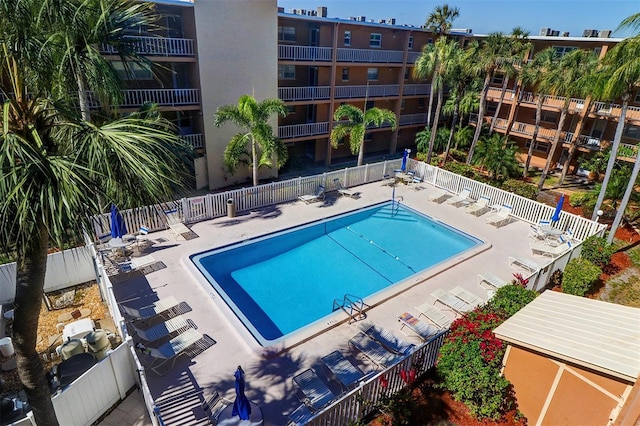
x: 410, y: 42
x: 539, y: 146
x: 637, y: 98
x: 492, y: 107
x: 430, y: 41
x: 421, y: 103
x: 133, y: 71
x: 498, y: 79
x: 549, y: 117
x: 407, y: 73
x: 375, y: 40
x: 631, y: 132
x: 345, y: 74
x: 597, y: 51
x: 370, y: 104
x: 563, y: 50
x: 372, y: 73
x: 286, y: 34
x: 291, y: 109
x: 287, y: 72
x: 347, y: 38
x: 402, y: 104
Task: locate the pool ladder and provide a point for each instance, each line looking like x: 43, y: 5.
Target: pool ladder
x: 353, y: 306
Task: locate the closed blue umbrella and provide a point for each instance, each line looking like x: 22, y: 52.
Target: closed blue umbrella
x: 403, y: 167
x: 241, y: 406
x: 118, y: 227
x: 556, y: 214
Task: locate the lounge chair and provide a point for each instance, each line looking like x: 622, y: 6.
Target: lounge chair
x: 466, y: 296
x: 317, y: 394
x: 300, y: 416
x: 421, y: 328
x: 492, y: 280
x: 316, y: 196
x: 342, y: 369
x: 142, y: 236
x: 480, y: 207
x: 438, y: 195
x: 170, y: 351
x: 150, y: 311
x: 449, y: 300
x: 135, y: 264
x: 386, y: 339
x: 460, y: 198
x: 163, y: 329
x: 344, y: 191
x: 175, y: 225
x: 501, y: 217
x: 214, y: 405
x: 544, y: 249
x: 528, y: 264
x: 435, y: 315
x: 374, y: 351
x: 388, y: 180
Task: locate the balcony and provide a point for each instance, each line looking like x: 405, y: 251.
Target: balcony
x: 155, y: 46
x: 310, y: 93
x: 412, y: 119
x: 196, y: 140
x: 416, y: 89
x: 584, y: 141
x: 412, y: 57
x: 302, y: 130
x: 165, y: 97
x: 370, y: 56
x: 377, y: 91
x: 304, y: 53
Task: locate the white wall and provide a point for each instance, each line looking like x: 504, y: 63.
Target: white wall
x: 237, y: 55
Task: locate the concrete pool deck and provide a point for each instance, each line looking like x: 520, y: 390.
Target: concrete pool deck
x: 269, y: 381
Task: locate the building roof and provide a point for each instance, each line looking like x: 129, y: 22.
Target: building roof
x: 598, y: 335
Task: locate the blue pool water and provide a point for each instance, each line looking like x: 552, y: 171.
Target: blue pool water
x: 280, y: 283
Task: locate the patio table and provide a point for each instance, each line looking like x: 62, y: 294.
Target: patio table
x: 120, y: 244
x: 78, y: 329
x: 227, y: 419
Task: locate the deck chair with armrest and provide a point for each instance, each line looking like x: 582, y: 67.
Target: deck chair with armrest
x: 545, y: 249
x: 163, y: 329
x: 300, y: 416
x: 342, y: 369
x: 170, y: 351
x: 420, y: 328
x: 492, y: 280
x: 501, y: 217
x: 317, y: 195
x: 386, y: 338
x: 458, y: 306
x: 466, y: 296
x: 460, y: 198
x: 135, y: 264
x: 438, y: 195
x: 316, y: 393
x: 521, y: 262
x: 388, y: 180
x: 433, y: 314
x: 157, y: 308
x: 175, y: 224
x: 342, y: 190
x: 213, y: 406
x: 480, y: 207
x: 374, y: 351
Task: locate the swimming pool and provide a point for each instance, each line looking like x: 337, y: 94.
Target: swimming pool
x: 281, y: 283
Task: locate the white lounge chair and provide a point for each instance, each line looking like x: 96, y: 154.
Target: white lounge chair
x: 521, y: 262
x: 300, y: 416
x: 163, y: 329
x: 175, y: 225
x: 374, y: 351
x: 342, y: 369
x: 421, y: 328
x: 318, y: 195
x: 449, y: 300
x: 544, y: 249
x: 438, y: 195
x: 136, y: 264
x: 214, y: 405
x: 388, y: 180
x: 435, y: 315
x: 142, y: 236
x: 460, y: 198
x: 480, y: 207
x: 317, y: 394
x: 492, y: 280
x: 501, y: 217
x: 150, y: 311
x: 386, y: 338
x: 344, y: 191
x: 170, y: 351
x: 466, y: 296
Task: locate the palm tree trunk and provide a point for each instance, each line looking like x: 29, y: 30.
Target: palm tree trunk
x: 361, y: 153
x: 573, y: 147
x: 83, y: 98
x: 483, y: 102
x: 454, y: 120
x: 30, y: 276
x: 612, y: 156
x: 436, y: 120
x: 554, y: 145
x: 534, y: 137
x: 254, y: 158
x: 495, y: 115
x: 518, y: 99
x: 433, y: 79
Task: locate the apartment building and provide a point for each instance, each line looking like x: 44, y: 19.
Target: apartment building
x: 211, y: 52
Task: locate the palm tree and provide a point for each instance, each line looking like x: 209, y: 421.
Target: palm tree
x: 423, y: 68
x: 440, y: 20
x: 356, y: 125
x: 622, y: 63
x: 257, y: 135
x: 534, y: 74
x: 569, y: 78
x: 459, y: 85
x: 496, y: 154
x: 485, y: 59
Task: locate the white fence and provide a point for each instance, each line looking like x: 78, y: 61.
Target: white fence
x: 64, y: 269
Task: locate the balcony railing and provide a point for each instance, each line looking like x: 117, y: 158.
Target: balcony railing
x: 302, y: 130
x: 155, y: 46
x: 410, y: 119
x: 370, y: 56
x: 303, y: 93
x: 628, y: 150
x: 304, y: 53
x: 412, y: 57
x: 164, y: 97
x: 376, y: 91
x: 196, y: 140
x: 416, y: 89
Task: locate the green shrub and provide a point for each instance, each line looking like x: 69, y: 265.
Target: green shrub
x: 521, y: 188
x: 462, y: 169
x: 597, y: 250
x: 458, y: 155
x: 510, y: 299
x: 579, y: 275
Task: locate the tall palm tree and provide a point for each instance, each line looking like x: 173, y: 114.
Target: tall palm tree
x: 486, y: 58
x: 257, y: 135
x: 423, y: 68
x: 357, y: 122
x: 622, y: 63
x: 497, y: 155
x: 535, y: 75
x: 569, y: 78
x: 460, y: 84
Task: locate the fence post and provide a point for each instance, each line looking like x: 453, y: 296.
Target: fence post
x: 366, y: 173
x: 384, y: 168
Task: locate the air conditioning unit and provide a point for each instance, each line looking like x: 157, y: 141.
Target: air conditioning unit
x: 321, y: 11
x: 555, y: 33
x: 362, y: 18
x: 590, y: 33
x: 392, y: 21
x: 605, y: 34
x: 382, y: 21
x: 565, y: 34
x: 545, y: 31
x: 281, y: 10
